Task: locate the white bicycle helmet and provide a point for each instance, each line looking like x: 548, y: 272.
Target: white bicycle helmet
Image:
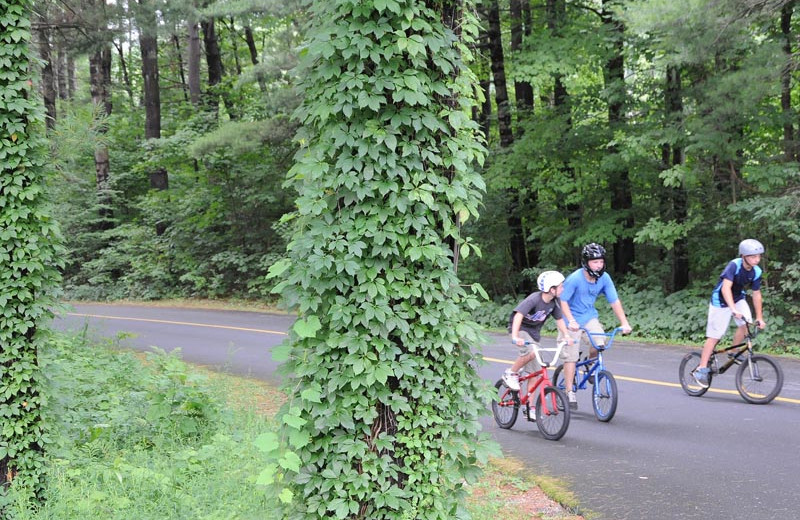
x: 750, y: 246
x: 549, y: 279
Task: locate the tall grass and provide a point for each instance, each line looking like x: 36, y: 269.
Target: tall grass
x: 144, y: 439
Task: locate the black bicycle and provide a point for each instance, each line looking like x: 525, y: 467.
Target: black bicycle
x: 759, y: 378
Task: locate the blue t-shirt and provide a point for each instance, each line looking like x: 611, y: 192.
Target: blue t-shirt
x: 581, y: 295
x: 741, y: 278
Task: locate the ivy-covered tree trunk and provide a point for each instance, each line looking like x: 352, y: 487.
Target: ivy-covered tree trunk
x: 28, y: 258
x: 381, y: 423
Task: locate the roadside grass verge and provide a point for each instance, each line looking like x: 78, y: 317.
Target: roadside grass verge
x: 150, y: 437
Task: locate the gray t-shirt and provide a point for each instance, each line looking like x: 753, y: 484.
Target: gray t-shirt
x: 534, y: 312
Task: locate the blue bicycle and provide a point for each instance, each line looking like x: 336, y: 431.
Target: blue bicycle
x: 592, y: 372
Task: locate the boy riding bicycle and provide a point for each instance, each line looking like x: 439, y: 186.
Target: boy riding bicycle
x: 525, y: 323
x: 728, y: 301
x: 581, y: 290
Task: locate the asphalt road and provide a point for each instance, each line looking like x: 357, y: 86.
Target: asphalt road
x: 665, y: 455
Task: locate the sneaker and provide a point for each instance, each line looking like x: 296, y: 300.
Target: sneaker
x: 511, y: 379
x: 701, y: 376
x: 532, y: 414
x: 573, y: 400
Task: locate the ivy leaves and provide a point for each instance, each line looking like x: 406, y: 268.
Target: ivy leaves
x: 29, y: 258
x: 384, y: 396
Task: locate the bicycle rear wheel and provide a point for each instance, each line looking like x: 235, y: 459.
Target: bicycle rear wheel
x: 689, y: 362
x: 552, y: 413
x: 759, y: 379
x: 604, y: 396
x: 505, y: 405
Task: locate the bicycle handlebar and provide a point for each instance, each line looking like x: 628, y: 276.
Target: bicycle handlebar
x: 537, y: 348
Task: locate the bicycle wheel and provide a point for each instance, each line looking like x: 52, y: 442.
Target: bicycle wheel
x: 505, y: 405
x: 558, y: 379
x: 604, y: 396
x: 759, y: 379
x: 552, y: 413
x: 689, y: 362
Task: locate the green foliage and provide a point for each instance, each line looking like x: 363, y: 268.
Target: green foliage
x: 29, y: 258
x: 148, y: 439
x: 382, y: 354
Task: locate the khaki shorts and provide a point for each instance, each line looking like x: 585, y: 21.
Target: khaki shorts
x: 719, y: 319
x: 580, y: 342
x: 524, y: 350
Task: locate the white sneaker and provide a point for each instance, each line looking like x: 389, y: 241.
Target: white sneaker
x: 532, y: 414
x: 573, y: 400
x: 511, y: 379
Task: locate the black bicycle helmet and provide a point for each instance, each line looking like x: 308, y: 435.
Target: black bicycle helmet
x: 593, y: 251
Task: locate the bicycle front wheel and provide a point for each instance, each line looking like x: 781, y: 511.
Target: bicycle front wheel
x: 604, y: 396
x: 759, y: 379
x: 505, y: 405
x: 552, y: 413
x: 689, y: 362
x: 558, y: 379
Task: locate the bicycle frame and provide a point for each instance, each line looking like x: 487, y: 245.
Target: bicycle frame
x: 745, y: 351
x: 591, y: 366
x: 541, y: 379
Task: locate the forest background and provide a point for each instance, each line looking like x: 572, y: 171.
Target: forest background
x: 666, y: 130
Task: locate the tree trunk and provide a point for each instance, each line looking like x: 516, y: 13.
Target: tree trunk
x: 499, y: 74
x: 152, y: 99
x: 193, y: 66
x: 48, y: 78
x: 790, y: 148
x: 251, y: 47
x: 522, y: 89
x: 61, y: 72
x: 100, y: 84
x: 152, y: 93
x: 619, y: 180
x: 677, y: 203
x: 235, y: 46
x: 126, y: 80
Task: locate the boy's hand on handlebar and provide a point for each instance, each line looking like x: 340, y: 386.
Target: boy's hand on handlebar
x: 573, y: 325
x: 761, y: 324
x: 626, y: 329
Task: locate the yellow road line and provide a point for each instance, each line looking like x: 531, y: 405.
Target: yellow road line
x: 659, y: 383
x: 263, y: 331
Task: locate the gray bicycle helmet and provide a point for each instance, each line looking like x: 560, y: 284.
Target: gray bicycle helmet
x: 750, y: 246
x: 593, y: 251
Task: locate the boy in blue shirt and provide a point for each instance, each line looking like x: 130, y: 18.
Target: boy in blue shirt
x: 728, y: 301
x: 581, y: 289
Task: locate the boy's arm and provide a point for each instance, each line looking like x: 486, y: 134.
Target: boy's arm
x: 620, y: 313
x: 757, y: 306
x: 515, y: 325
x: 564, y: 331
x: 726, y: 291
x: 567, y: 312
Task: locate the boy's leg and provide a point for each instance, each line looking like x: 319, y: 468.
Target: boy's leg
x: 719, y: 318
x: 741, y: 330
x: 596, y: 328
x: 526, y: 358
x: 569, y: 354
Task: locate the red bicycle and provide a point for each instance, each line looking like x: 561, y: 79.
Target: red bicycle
x: 542, y: 402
